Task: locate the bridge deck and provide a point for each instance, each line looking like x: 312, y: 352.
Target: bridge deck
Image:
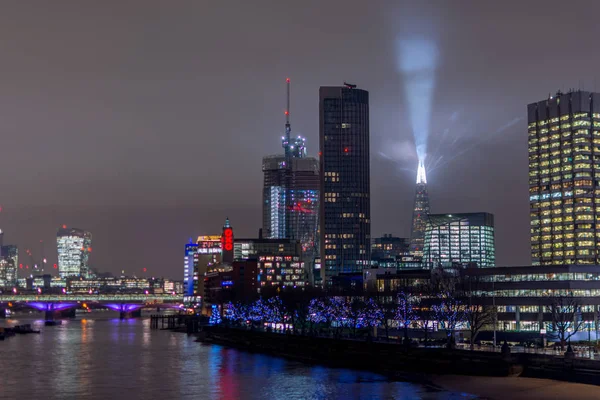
x: 137, y: 298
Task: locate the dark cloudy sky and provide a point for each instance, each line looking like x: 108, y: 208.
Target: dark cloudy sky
x: 145, y: 121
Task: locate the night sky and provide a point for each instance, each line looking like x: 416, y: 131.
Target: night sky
x: 145, y: 122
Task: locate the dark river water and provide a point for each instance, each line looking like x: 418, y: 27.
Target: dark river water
x: 105, y: 358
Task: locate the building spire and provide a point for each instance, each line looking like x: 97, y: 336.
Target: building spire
x: 420, y: 212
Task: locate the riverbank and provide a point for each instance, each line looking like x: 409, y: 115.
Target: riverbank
x: 397, y: 360
x: 388, y: 358
x: 515, y: 388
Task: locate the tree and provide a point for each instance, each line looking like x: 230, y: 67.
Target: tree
x: 236, y: 313
x: 215, y: 316
x: 449, y: 312
x: 353, y: 309
x: 424, y: 315
x: 478, y: 316
x: 389, y: 312
x: 405, y: 312
x: 372, y: 314
x: 565, y: 312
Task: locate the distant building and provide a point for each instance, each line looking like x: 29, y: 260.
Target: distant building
x: 280, y: 272
x: 250, y: 249
x: 460, y: 239
x: 209, y: 253
x: 564, y: 188
x: 291, y: 200
x: 420, y: 211
x: 345, y: 212
x: 190, y: 261
x: 389, y: 247
x: 236, y: 282
x: 9, y: 266
x: 74, y: 247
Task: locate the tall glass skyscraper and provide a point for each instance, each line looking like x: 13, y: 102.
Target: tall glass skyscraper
x: 564, y: 178
x: 9, y: 265
x: 74, y: 247
x: 345, y: 216
x: 459, y: 238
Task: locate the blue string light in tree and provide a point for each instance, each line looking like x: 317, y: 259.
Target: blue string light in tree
x: 215, y: 316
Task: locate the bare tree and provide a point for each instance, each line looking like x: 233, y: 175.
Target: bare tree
x: 565, y: 312
x: 478, y: 316
x: 425, y: 316
x: 405, y: 313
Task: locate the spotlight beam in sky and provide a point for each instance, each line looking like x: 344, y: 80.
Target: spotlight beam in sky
x: 478, y: 143
x: 417, y: 62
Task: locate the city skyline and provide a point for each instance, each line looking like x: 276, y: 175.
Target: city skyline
x: 137, y: 161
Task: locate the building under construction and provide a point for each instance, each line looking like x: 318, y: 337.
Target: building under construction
x: 291, y: 192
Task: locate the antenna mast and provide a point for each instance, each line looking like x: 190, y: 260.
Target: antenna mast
x: 287, y: 108
x: 288, y: 128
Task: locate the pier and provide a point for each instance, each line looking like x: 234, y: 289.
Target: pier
x: 181, y: 323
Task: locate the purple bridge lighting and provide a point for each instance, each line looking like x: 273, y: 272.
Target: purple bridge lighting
x: 50, y: 306
x: 124, y: 307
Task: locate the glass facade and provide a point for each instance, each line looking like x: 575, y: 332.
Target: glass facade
x: 564, y: 178
x: 345, y: 214
x: 9, y: 266
x: 460, y: 238
x: 291, y: 199
x: 74, y: 247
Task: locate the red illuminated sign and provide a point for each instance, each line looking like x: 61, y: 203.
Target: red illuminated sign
x: 227, y: 239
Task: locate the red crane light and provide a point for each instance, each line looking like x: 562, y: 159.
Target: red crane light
x: 346, y: 149
x: 55, y: 266
x: 64, y: 226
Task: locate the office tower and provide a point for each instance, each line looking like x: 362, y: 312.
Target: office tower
x: 564, y: 192
x: 345, y: 212
x: 420, y: 211
x: 291, y: 192
x: 74, y: 247
x: 209, y: 254
x: 459, y: 238
x: 190, y: 262
x: 9, y: 265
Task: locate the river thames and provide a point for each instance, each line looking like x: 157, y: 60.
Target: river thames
x: 105, y: 358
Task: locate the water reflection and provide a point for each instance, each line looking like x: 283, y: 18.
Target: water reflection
x: 113, y: 359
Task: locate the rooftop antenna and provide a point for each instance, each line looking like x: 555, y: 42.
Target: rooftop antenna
x: 287, y: 108
x: 288, y: 127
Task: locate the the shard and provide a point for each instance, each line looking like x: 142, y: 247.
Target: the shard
x: 420, y: 212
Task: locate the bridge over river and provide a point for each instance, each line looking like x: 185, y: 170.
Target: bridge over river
x: 57, y: 305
